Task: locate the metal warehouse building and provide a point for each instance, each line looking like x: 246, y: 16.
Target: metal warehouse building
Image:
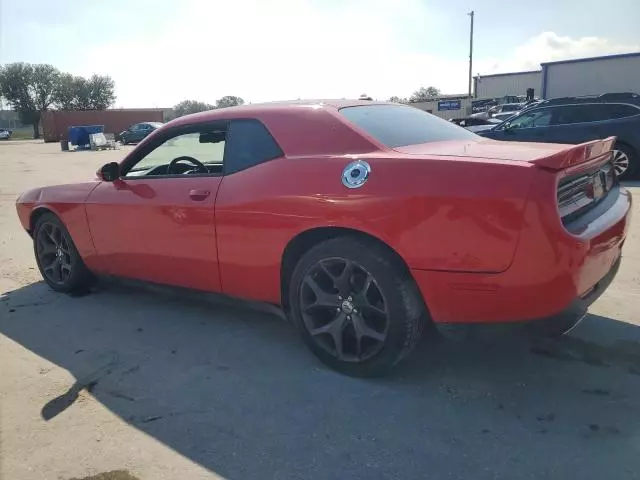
x: 584, y: 76
x: 501, y: 84
x: 591, y: 76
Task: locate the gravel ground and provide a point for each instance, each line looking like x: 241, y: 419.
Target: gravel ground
x: 132, y: 383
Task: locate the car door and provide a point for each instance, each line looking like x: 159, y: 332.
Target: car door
x: 141, y: 130
x: 608, y: 119
x: 157, y: 224
x: 145, y: 130
x: 248, y: 245
x: 132, y: 133
x: 576, y: 123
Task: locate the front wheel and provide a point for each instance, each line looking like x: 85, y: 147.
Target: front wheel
x: 57, y: 257
x: 357, y: 310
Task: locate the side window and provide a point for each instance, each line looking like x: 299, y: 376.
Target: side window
x: 617, y: 110
x: 248, y: 143
x: 570, y: 114
x: 206, y: 147
x: 538, y: 118
x: 136, y: 127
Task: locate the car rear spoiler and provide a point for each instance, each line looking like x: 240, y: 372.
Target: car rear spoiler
x: 574, y: 155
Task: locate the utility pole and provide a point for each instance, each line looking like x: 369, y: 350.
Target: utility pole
x: 471, y: 14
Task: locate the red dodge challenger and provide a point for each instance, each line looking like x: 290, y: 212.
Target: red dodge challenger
x: 365, y: 221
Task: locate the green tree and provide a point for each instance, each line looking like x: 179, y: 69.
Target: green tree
x: 29, y: 89
x: 79, y: 93
x: 101, y: 92
x: 229, y: 101
x: 64, y: 95
x: 187, y: 107
x: 424, y: 94
x: 395, y: 99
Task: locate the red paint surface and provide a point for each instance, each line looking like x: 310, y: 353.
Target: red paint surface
x: 475, y: 221
x: 151, y: 229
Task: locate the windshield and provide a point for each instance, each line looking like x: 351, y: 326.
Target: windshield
x: 400, y: 125
x: 156, y: 124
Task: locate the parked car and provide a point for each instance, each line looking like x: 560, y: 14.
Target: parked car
x: 499, y: 110
x: 476, y: 124
x: 505, y: 108
x: 501, y: 117
x: 580, y: 119
x: 138, y: 131
x: 5, y: 134
x: 366, y: 221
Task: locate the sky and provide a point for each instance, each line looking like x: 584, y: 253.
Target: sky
x: 160, y: 52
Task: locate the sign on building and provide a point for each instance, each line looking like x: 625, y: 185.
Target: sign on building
x: 448, y: 105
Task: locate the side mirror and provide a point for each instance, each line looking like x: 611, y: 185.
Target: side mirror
x: 507, y: 127
x: 109, y: 172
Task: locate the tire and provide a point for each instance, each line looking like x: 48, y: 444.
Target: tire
x: 57, y: 257
x: 376, y: 310
x: 623, y: 154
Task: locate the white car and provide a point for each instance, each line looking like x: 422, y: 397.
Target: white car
x: 5, y: 134
x: 476, y: 124
x: 504, y: 116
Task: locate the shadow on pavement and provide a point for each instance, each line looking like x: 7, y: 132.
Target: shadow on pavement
x: 234, y: 390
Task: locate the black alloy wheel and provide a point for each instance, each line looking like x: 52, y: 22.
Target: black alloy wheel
x: 344, y: 309
x: 57, y: 257
x: 357, y: 308
x: 54, y: 257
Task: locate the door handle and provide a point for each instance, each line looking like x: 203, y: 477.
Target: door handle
x: 199, y: 195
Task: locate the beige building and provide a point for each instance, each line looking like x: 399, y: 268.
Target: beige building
x: 502, y: 84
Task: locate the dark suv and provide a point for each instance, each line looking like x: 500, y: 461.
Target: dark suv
x: 580, y: 119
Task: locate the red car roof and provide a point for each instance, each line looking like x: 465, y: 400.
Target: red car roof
x: 262, y: 109
x: 301, y: 127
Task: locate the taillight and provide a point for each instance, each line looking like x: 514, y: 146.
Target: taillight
x: 572, y: 196
x: 578, y: 194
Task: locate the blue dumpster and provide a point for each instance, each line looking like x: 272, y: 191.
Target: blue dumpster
x: 79, y: 135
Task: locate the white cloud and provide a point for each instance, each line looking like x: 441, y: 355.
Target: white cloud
x: 282, y: 49
x: 276, y: 50
x: 548, y: 47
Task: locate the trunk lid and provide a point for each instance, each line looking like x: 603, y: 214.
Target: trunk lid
x: 551, y: 156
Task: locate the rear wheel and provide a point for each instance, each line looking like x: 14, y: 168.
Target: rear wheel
x: 357, y: 310
x: 57, y: 257
x: 625, y: 162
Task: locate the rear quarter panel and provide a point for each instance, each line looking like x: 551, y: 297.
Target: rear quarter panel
x: 438, y: 214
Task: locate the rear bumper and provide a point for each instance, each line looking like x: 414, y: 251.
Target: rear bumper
x: 554, y: 277
x: 556, y: 324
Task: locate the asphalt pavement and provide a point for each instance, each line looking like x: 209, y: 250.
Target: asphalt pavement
x: 151, y: 384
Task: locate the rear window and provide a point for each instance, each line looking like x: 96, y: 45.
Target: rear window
x: 400, y: 125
